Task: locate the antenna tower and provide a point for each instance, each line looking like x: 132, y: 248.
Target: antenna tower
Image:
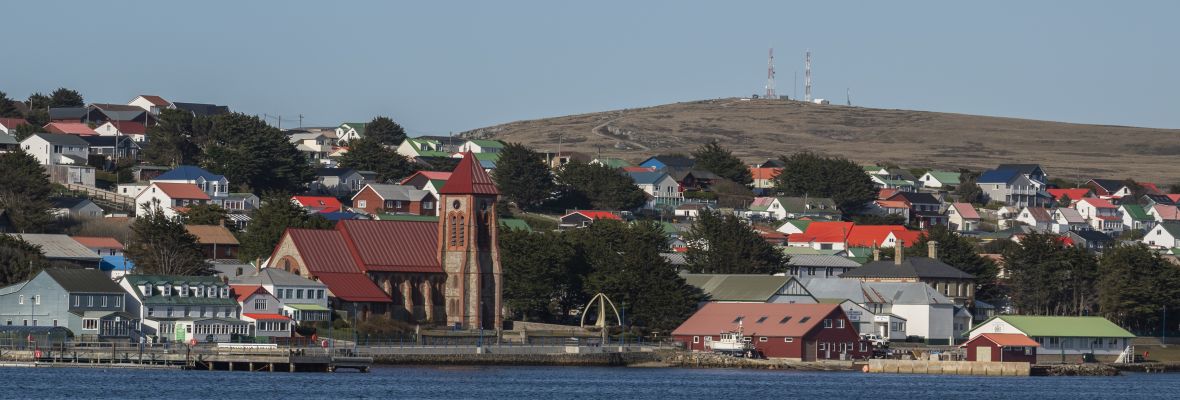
x: 770, y: 76
x: 807, y: 76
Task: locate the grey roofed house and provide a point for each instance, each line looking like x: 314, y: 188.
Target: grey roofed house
x: 1092, y: 239
x: 67, y: 113
x: 75, y: 207
x: 274, y: 276
x: 301, y: 136
x: 808, y: 205
x: 201, y: 109
x: 835, y: 289
x: 898, y: 173
x: 909, y: 293
x: 62, y: 139
x: 820, y: 260
x: 911, y: 267
x: 398, y: 192
x: 60, y: 247
x: 1071, y: 216
x: 338, y: 172
x: 647, y: 177
x: 117, y: 112
x: 747, y: 288
x: 917, y: 197
x: 84, y: 280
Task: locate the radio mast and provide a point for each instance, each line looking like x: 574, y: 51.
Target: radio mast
x: 770, y: 76
x: 807, y: 76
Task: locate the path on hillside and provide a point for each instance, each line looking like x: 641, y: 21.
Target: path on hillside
x: 600, y: 130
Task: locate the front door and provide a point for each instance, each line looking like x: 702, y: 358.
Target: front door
x: 983, y: 353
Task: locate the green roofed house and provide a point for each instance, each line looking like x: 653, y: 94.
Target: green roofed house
x: 732, y: 288
x: 940, y: 179
x: 1063, y: 339
x: 794, y: 226
x: 421, y: 147
x: 1135, y: 217
x: 182, y: 308
x: 350, y: 131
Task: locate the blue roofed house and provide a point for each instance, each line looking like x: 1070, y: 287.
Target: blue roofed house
x: 212, y: 184
x: 1016, y: 185
x: 668, y: 161
x: 83, y: 300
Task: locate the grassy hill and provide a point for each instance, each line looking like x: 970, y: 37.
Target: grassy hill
x: 759, y: 129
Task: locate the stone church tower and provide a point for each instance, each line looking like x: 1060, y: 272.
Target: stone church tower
x: 467, y: 247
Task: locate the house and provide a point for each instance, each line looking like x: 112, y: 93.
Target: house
x: 925, y: 209
x: 668, y: 161
x: 337, y: 181
x: 318, y: 204
x: 1068, y: 219
x: 181, y: 309
x: 872, y: 312
x: 820, y: 265
x: 1109, y: 188
x: 217, y: 242
x: 891, y: 207
x: 115, y: 266
x: 170, y: 197
x: 83, y: 300
x: 948, y: 280
x: 794, y: 226
x: 8, y: 143
x: 263, y: 311
x: 376, y: 198
x: 872, y: 236
x: 67, y: 114
x: 822, y: 235
x: 481, y: 146
x: 98, y: 113
x: 805, y: 332
x: 1090, y: 239
x: 70, y: 128
x: 932, y: 316
x: 1038, y: 218
x: 764, y: 177
x: 301, y: 299
x: 150, y: 103
x: 61, y: 249
x: 238, y: 203
x: 133, y: 130
x: 1164, y: 213
x: 781, y: 208
x: 201, y: 109
x: 1149, y: 200
x: 350, y: 131
x: 411, y: 270
x: 1002, y: 347
x: 885, y: 182
x: 314, y: 146
x: 737, y: 288
x: 963, y: 217
x: 1165, y: 235
x: 1072, y: 194
x: 657, y: 185
x: 692, y: 211
x: 113, y: 147
x: 1101, y: 214
x: 8, y: 125
x: 103, y: 246
x: 1062, y: 339
x: 1135, y: 217
x: 57, y: 149
x: 74, y: 207
x: 940, y: 179
x: 212, y: 184
x: 429, y: 181
x: 1015, y: 184
x: 414, y: 148
x: 583, y: 218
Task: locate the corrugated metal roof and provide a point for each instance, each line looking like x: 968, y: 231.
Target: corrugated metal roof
x: 182, y: 190
x: 353, y: 287
x: 911, y: 267
x: 275, y: 276
x: 469, y: 177
x: 746, y: 288
x: 395, y: 246
x: 323, y: 251
x: 211, y: 234
x: 781, y: 320
x: 84, y: 280
x: 59, y: 247
x: 98, y: 242
x: 819, y: 260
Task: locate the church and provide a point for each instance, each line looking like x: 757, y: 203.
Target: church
x: 437, y: 273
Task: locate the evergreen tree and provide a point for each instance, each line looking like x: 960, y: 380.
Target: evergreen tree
x: 538, y: 278
x: 23, y: 132
x: 522, y: 177
x: 719, y: 160
x: 599, y: 187
x: 367, y: 154
x: 383, y: 130
x: 968, y: 190
x: 269, y: 221
x: 161, y: 245
x: 724, y: 244
x: 814, y: 175
x: 1136, y: 286
x: 205, y: 214
x: 63, y: 97
x: 1047, y: 277
x: 254, y: 155
x: 7, y: 108
x: 171, y: 141
x: 24, y: 191
x: 20, y: 260
x: 38, y: 105
x: 960, y: 252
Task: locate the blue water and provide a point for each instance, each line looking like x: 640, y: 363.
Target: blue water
x: 556, y: 383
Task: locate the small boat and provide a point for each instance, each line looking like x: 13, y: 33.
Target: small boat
x: 734, y: 343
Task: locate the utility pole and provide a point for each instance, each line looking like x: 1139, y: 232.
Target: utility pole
x: 300, y: 120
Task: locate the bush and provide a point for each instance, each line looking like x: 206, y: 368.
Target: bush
x: 382, y: 325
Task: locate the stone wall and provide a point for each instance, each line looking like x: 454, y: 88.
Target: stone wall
x: 949, y: 367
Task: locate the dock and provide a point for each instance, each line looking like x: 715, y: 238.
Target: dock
x: 200, y: 357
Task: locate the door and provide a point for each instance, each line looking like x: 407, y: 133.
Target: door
x: 983, y: 353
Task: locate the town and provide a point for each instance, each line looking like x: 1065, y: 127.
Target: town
x: 158, y: 222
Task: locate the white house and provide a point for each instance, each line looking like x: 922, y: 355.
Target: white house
x: 172, y: 198
x: 1164, y: 235
x: 315, y: 146
x: 56, y: 149
x: 212, y: 184
x: 130, y: 189
x: 150, y: 103
x: 1039, y: 218
x: 1100, y: 213
x: 656, y: 184
x: 134, y: 130
x: 350, y: 131
x: 183, y: 308
x: 263, y: 311
x: 939, y: 179
x: 301, y: 299
x: 1068, y: 219
x: 963, y: 217
x: 1164, y: 213
x: 928, y: 313
x: 481, y: 146
x: 1062, y: 339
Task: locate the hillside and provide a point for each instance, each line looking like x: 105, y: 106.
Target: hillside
x: 758, y: 129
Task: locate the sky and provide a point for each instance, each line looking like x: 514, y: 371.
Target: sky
x: 446, y: 66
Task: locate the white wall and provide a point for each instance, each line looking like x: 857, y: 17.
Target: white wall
x: 929, y: 321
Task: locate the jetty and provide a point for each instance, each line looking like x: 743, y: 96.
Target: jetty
x: 212, y: 357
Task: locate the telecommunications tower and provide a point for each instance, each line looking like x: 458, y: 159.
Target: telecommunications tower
x: 770, y: 76
x: 807, y: 76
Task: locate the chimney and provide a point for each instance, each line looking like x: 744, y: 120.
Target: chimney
x: 876, y: 252
x: 932, y: 249
x: 898, y: 251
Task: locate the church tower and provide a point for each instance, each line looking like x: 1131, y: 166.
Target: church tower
x: 468, y: 250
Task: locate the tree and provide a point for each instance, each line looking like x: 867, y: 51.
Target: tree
x: 539, y: 273
x: 873, y: 219
x: 960, y: 252
x: 1135, y: 286
x: 23, y: 132
x: 24, y: 191
x: 719, y: 160
x: 810, y: 174
x: 7, y: 108
x: 21, y: 260
x: 63, y: 97
x: 205, y: 214
x: 598, y: 186
x: 38, y: 105
x: 161, y: 245
x: 172, y: 141
x: 1064, y: 201
x: 522, y: 177
x: 254, y: 156
x: 366, y: 154
x: 269, y: 221
x: 1047, y: 277
x: 724, y: 244
x: 968, y: 190
x: 385, y: 131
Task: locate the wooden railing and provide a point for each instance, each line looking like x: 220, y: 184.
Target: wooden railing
x: 105, y: 197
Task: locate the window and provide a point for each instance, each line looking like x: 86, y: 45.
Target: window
x: 259, y: 304
x: 788, y: 340
x: 290, y: 293
x: 840, y: 324
x: 279, y: 293
x: 823, y: 346
x: 298, y: 293
x: 55, y: 322
x: 89, y: 301
x: 762, y: 339
x: 90, y: 324
x: 147, y: 290
x: 77, y: 300
x: 184, y: 291
x: 760, y: 320
x: 150, y: 311
x: 169, y: 311
x: 167, y: 290
x: 827, y: 322
x: 804, y: 320
x: 362, y: 204
x: 224, y: 292
x: 103, y: 302
x: 20, y: 299
x: 37, y: 299
x: 864, y: 346
x: 427, y: 205
x: 319, y: 294
x: 785, y: 319
x: 199, y: 291
x: 696, y: 339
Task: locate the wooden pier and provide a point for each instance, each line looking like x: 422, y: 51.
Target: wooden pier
x: 194, y: 358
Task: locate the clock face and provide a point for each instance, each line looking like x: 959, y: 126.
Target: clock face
x: 455, y: 204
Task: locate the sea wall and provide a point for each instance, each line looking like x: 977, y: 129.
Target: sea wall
x: 949, y: 367
x: 573, y: 359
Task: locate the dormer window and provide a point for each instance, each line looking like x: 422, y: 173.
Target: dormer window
x: 199, y: 291
x: 184, y: 291
x: 146, y: 289
x: 224, y: 292
x: 167, y: 290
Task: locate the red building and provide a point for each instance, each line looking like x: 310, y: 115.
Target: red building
x: 806, y: 332
x: 376, y: 198
x: 1002, y: 347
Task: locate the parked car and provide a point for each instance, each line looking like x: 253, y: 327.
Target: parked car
x: 875, y: 340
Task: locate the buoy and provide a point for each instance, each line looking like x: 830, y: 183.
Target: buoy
x: 864, y: 368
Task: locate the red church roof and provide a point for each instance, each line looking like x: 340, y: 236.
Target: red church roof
x: 392, y: 246
x: 469, y: 178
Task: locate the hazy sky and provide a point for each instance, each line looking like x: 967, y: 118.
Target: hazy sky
x: 450, y: 66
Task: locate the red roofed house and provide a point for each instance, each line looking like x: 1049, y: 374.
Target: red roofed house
x: 1073, y: 194
x: 877, y: 235
x: 419, y: 179
x: 150, y: 103
x: 7, y: 125
x: 318, y: 204
x: 134, y: 130
x: 583, y: 218
x: 1002, y: 347
x: 1164, y: 213
x: 963, y: 217
x: 263, y: 311
x: 170, y: 197
x: 445, y: 272
x: 103, y: 246
x: 764, y: 177
x: 70, y: 128
x: 1101, y: 214
x: 805, y: 332
x: 822, y: 235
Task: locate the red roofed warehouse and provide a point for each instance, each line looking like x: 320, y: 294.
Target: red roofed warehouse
x: 805, y: 332
x: 1002, y: 347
